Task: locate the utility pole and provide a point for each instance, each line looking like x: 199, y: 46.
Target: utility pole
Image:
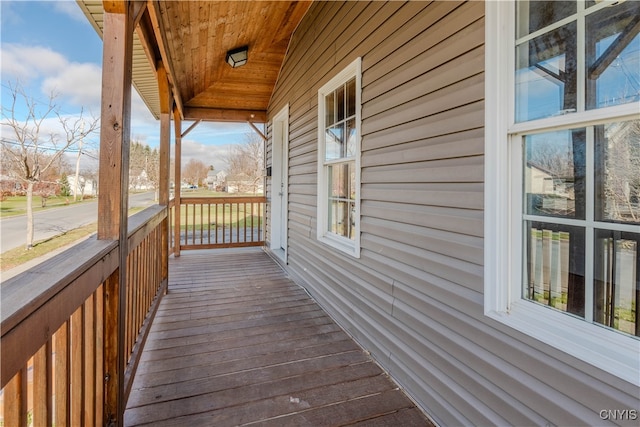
x: 76, y: 183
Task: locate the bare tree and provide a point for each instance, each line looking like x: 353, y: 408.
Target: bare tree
x: 49, y: 184
x: 25, y: 151
x: 247, y: 159
x: 144, y: 164
x: 195, y: 172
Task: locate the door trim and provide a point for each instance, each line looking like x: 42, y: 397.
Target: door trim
x: 280, y: 179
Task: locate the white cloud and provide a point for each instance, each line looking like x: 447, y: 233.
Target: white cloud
x: 79, y: 83
x: 208, y: 154
x: 29, y: 62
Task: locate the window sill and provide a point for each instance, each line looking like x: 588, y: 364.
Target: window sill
x: 606, y: 349
x: 347, y: 246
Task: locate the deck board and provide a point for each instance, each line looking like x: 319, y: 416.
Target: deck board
x: 236, y: 342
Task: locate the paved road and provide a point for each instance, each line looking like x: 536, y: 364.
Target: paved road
x: 51, y: 222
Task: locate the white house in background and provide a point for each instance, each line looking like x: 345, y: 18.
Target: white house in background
x: 216, y: 180
x: 141, y: 182
x: 85, y: 187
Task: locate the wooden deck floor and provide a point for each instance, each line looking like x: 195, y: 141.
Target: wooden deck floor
x: 235, y: 342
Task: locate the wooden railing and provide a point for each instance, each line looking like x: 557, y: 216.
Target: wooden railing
x: 60, y: 329
x: 218, y: 222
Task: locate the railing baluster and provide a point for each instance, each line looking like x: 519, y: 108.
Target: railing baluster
x: 61, y: 385
x: 209, y: 223
x: 216, y: 221
x: 260, y: 214
x: 253, y: 238
x: 236, y: 221
x: 132, y: 269
x: 89, y: 362
x: 111, y: 378
x: 194, y: 225
x: 184, y: 218
x: 98, y: 316
x: 15, y: 392
x: 42, y: 376
x: 201, y: 223
x: 77, y: 383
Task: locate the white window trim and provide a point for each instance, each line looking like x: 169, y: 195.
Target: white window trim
x: 603, y: 348
x: 351, y: 247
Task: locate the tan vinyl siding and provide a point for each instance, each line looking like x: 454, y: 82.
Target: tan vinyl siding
x: 415, y: 296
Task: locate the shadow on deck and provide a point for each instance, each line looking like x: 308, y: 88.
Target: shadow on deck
x: 236, y: 342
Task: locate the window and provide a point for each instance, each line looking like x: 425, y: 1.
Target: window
x: 563, y: 171
x: 339, y: 161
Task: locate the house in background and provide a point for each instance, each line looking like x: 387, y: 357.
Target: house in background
x: 216, y: 180
x: 85, y: 187
x: 141, y: 182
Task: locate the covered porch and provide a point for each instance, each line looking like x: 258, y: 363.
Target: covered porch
x: 222, y: 337
x: 237, y: 342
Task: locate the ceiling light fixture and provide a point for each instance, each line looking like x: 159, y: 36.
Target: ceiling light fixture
x: 237, y: 57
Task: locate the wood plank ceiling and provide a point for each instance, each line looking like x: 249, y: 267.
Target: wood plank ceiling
x: 192, y: 39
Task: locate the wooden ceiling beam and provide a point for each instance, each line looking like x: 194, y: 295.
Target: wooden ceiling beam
x: 139, y: 8
x: 258, y: 131
x: 190, y: 128
x: 148, y: 40
x: 224, y: 115
x: 161, y: 42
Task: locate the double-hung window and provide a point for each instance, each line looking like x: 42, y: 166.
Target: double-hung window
x: 562, y: 238
x: 339, y: 161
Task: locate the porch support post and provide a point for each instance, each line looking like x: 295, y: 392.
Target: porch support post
x: 166, y: 101
x: 178, y: 171
x: 114, y: 190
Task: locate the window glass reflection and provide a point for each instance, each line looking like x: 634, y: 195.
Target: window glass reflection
x: 555, y: 266
x: 546, y: 75
x: 613, y: 62
x: 341, y: 220
x: 330, y: 106
x: 351, y: 97
x: 334, y: 142
x: 350, y: 146
x: 554, y: 174
x: 340, y: 103
x: 617, y: 177
x: 339, y: 180
x: 535, y: 15
x: 617, y: 280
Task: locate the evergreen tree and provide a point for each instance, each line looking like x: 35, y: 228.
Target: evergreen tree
x: 65, y: 188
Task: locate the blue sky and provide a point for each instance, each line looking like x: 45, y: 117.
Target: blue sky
x: 50, y: 46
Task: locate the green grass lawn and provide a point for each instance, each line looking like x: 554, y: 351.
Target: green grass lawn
x: 12, y: 206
